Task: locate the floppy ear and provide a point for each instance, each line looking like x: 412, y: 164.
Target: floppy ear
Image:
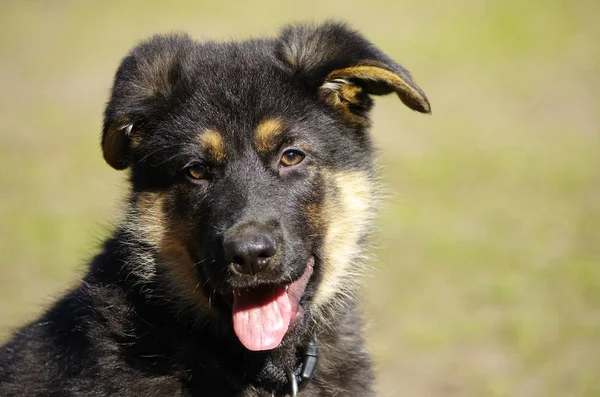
x: 346, y: 69
x: 143, y: 86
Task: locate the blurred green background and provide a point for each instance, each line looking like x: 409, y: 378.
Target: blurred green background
x: 486, y: 281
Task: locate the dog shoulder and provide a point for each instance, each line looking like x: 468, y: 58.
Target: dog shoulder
x: 73, y: 348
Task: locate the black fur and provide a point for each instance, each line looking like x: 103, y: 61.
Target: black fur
x: 140, y: 324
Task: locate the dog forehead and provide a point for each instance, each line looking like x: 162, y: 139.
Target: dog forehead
x: 236, y: 96
x: 243, y: 83
x: 242, y: 102
x: 236, y: 68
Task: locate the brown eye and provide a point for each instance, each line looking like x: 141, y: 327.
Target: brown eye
x: 291, y: 157
x: 197, y: 171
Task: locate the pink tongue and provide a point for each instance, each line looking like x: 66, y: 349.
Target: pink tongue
x: 260, y: 322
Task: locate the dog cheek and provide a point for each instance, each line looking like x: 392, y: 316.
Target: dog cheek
x: 313, y: 215
x: 346, y: 215
x: 152, y: 222
x: 147, y: 218
x: 313, y: 202
x: 181, y: 270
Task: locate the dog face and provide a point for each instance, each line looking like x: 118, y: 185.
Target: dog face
x: 251, y: 170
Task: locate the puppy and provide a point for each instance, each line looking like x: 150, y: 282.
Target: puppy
x: 234, y: 269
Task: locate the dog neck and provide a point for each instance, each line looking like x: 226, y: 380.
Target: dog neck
x: 289, y: 376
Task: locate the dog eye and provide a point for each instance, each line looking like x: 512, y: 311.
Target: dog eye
x: 197, y: 171
x: 291, y: 157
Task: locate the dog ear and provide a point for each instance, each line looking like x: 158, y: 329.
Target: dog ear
x: 144, y: 84
x: 346, y: 69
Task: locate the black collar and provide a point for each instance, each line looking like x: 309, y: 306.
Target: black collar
x: 299, y: 377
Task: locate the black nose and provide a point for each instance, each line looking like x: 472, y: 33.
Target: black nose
x: 249, y: 252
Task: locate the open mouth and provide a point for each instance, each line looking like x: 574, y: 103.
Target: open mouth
x: 263, y: 315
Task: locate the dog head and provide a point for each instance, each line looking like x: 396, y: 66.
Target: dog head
x: 251, y: 170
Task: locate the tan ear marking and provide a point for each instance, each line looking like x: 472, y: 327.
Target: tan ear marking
x: 266, y: 133
x: 350, y: 93
x: 212, y: 141
x: 339, y: 94
x: 408, y: 93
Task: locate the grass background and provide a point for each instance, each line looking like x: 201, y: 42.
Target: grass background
x: 487, y: 279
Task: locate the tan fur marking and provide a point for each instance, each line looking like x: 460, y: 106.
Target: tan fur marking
x: 400, y: 86
x: 314, y: 219
x: 347, y: 211
x: 212, y: 141
x: 150, y: 217
x: 350, y: 92
x: 266, y: 133
x: 182, y: 269
x: 336, y: 99
x: 163, y: 234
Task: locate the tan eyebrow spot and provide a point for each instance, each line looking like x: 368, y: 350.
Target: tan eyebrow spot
x: 212, y: 141
x: 266, y: 132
